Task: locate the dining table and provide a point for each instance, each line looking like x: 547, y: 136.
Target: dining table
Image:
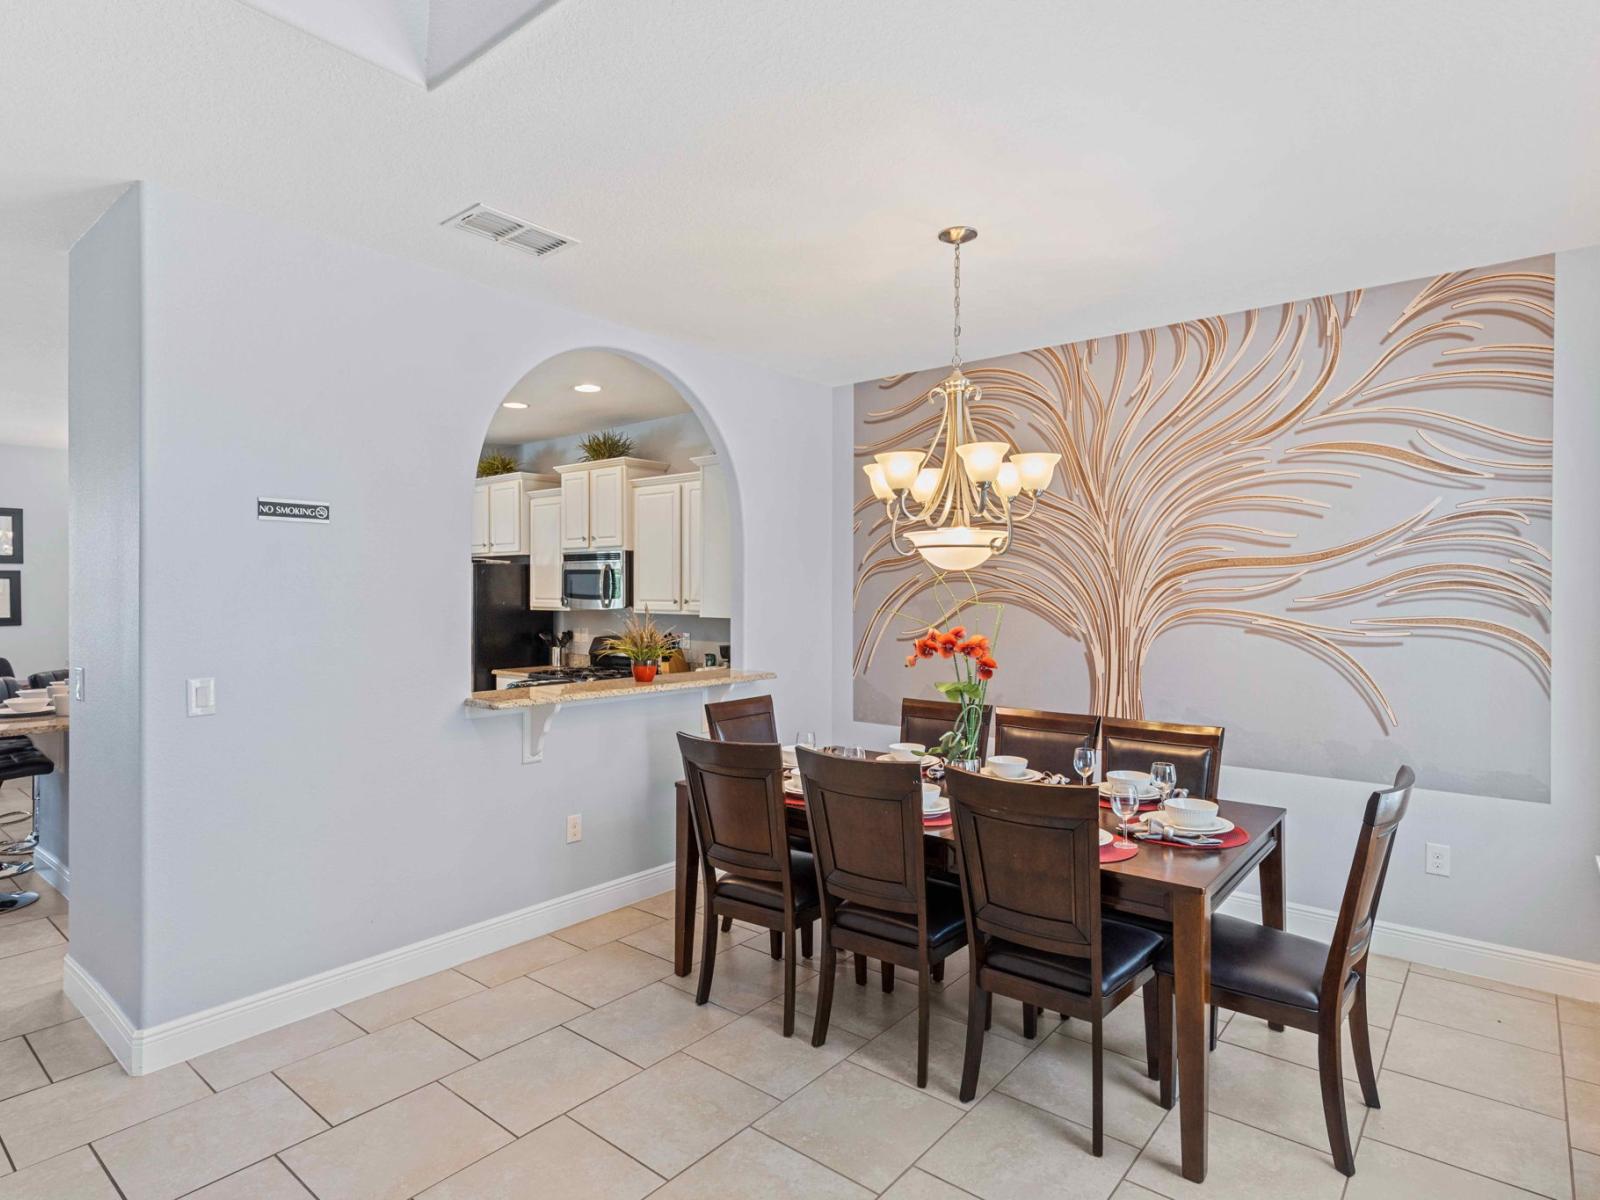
x: 1177, y: 886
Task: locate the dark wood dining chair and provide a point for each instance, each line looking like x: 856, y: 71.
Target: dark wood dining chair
x: 748, y: 720
x: 926, y: 721
x: 1047, y: 740
x: 1297, y: 981
x: 736, y: 800
x: 1194, y: 750
x: 876, y: 897
x: 1029, y: 856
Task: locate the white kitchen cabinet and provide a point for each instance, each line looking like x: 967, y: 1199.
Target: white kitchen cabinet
x: 658, y: 547
x: 575, y: 511
x: 608, y: 508
x: 480, y: 520
x: 715, y: 549
x: 693, y: 544
x: 545, y: 549
x: 500, y: 512
x: 597, y: 504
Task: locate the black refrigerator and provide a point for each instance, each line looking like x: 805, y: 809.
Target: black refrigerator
x: 505, y: 632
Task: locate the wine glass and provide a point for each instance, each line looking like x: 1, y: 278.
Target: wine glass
x: 808, y: 740
x: 1165, y: 776
x: 1083, y: 762
x: 1125, y: 804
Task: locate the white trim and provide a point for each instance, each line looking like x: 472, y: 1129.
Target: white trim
x: 53, y: 871
x: 141, y: 1051
x: 1506, y: 964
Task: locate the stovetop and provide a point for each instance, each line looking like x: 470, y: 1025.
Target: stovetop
x: 572, y: 675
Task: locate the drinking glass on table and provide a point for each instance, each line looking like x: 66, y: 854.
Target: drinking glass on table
x: 1125, y: 804
x: 808, y: 740
x: 1165, y: 776
x: 1083, y: 762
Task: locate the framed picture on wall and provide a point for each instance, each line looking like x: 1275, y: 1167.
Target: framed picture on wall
x: 10, y: 597
x: 11, y: 536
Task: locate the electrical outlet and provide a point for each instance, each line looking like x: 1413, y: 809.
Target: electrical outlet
x: 1438, y: 859
x: 575, y: 828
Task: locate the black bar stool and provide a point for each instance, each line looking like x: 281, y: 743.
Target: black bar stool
x: 20, y: 759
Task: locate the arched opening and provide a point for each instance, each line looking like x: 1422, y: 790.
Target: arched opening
x: 603, y: 492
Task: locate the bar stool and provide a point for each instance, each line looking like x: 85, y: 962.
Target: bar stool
x: 20, y: 759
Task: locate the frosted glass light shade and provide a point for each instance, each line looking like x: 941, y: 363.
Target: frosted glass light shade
x: 1008, y: 480
x: 953, y: 547
x: 983, y: 459
x: 880, y: 485
x: 924, y: 484
x: 1037, y: 469
x: 900, y: 467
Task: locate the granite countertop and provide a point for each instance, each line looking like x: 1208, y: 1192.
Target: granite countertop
x: 520, y: 672
x: 609, y: 689
x: 43, y: 723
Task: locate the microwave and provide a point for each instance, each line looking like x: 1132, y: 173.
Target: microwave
x: 596, y: 579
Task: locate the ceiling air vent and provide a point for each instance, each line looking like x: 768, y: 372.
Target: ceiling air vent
x: 510, y: 231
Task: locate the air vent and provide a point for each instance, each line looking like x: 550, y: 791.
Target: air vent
x: 510, y: 231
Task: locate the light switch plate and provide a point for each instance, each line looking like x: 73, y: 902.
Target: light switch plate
x: 202, y: 697
x: 575, y: 828
x: 77, y: 683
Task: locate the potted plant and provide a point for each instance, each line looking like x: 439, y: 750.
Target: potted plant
x: 598, y: 447
x: 643, y: 643
x: 496, y: 464
x: 972, y: 657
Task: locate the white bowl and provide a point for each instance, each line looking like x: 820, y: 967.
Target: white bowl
x: 33, y: 694
x: 1140, y: 777
x: 1008, y: 765
x: 18, y: 705
x: 907, y: 751
x: 932, y: 801
x: 1190, y: 812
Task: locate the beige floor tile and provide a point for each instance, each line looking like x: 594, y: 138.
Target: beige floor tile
x: 267, y: 1180
x: 952, y: 1003
x: 657, y: 939
x: 1578, y: 1012
x: 35, y: 934
x: 1481, y: 1065
x: 1242, y: 1163
x: 1389, y: 1173
x: 70, y: 1048
x: 917, y: 1184
x: 646, y: 1026
x: 363, y: 1074
x: 607, y: 927
x: 52, y: 1120
x: 1478, y: 981
x: 276, y: 1048
x: 753, y: 1165
x: 60, y: 921
x: 660, y: 905
x: 1277, y: 1096
x: 1381, y: 966
x: 1296, y: 1045
x: 1585, y: 1175
x: 865, y: 1011
x: 861, y: 1124
x: 754, y: 1049
x: 1508, y: 1144
x: 606, y: 973
x: 1583, y: 1114
x: 894, y: 1053
x: 172, y: 1154
x: 1006, y: 1150
x: 558, y: 1161
x: 75, y: 1175
x: 743, y: 979
x: 488, y: 1022
x: 34, y: 968
x: 419, y: 996
x: 398, y: 1150
x: 1580, y: 1051
x: 1383, y: 1000
x: 31, y: 1007
x: 1478, y: 1010
x: 1132, y: 1191
x: 522, y: 959
x: 19, y: 1069
x: 674, y: 1113
x: 1121, y: 1033
x: 1058, y: 1078
x: 527, y: 1085
x: 51, y: 903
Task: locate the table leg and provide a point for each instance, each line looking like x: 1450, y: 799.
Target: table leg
x: 1191, y: 953
x: 1272, y: 899
x: 686, y: 885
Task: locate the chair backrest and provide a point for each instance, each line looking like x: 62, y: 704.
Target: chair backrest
x: 1046, y: 739
x: 747, y: 720
x: 1195, y: 750
x: 866, y: 832
x: 1029, y: 855
x: 926, y: 721
x: 736, y: 798
x: 1358, y: 912
x: 41, y: 679
x: 9, y: 687
x: 5, y: 668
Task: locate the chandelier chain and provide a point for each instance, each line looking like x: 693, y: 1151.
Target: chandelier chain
x: 956, y: 359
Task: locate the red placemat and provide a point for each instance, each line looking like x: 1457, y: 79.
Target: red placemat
x: 1234, y: 837
x: 1111, y: 852
x: 1144, y: 805
x: 794, y: 801
x: 941, y: 821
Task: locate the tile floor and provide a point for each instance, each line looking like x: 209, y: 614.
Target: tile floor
x: 577, y: 1066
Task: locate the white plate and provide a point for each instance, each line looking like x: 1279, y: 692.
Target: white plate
x: 1222, y: 825
x: 1028, y: 776
x: 30, y: 711
x: 1105, y: 837
x: 924, y: 761
x: 1149, y: 792
x: 938, y: 809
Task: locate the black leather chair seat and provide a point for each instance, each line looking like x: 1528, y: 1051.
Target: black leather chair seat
x: 1124, y: 950
x: 768, y: 893
x: 21, y: 759
x: 946, y: 920
x: 1256, y: 960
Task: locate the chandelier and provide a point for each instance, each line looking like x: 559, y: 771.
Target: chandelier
x: 956, y: 497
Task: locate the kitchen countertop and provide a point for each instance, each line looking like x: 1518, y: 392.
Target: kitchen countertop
x: 43, y: 723
x: 609, y: 689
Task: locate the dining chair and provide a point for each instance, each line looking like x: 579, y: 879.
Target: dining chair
x: 1047, y: 740
x: 736, y: 800
x: 1195, y: 750
x: 1306, y: 984
x: 926, y: 721
x: 875, y: 895
x: 748, y: 720
x: 1029, y: 857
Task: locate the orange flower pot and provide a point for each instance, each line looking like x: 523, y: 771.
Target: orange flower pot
x: 644, y: 672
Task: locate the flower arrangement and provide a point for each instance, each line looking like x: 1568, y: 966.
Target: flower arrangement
x: 644, y: 643
x: 971, y: 655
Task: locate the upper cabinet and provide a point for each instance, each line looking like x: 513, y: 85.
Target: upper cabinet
x: 545, y: 511
x: 713, y: 545
x: 500, y: 512
x: 596, y: 502
x: 658, y: 555
x: 681, y: 557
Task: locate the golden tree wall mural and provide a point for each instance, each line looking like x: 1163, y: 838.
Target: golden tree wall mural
x: 1194, y: 454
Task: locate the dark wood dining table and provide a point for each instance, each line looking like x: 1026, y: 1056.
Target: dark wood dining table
x: 1179, y: 886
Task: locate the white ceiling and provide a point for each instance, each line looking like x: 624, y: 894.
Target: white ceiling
x: 629, y: 392
x: 766, y: 176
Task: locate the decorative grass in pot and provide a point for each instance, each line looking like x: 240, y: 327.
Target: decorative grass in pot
x: 643, y: 643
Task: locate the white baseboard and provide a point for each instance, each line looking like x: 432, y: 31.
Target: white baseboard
x: 141, y: 1051
x: 53, y: 871
x: 1505, y: 964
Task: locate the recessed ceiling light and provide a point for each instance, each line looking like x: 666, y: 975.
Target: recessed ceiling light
x: 512, y: 404
x: 586, y: 387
